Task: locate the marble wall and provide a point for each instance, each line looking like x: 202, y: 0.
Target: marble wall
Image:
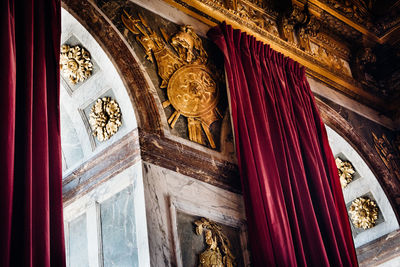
x: 107, y: 226
x: 172, y: 201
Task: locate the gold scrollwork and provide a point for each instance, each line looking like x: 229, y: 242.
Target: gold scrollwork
x: 75, y: 63
x: 346, y: 171
x: 331, y: 60
x: 191, y: 87
x: 363, y: 213
x: 105, y: 118
x: 387, y: 153
x: 218, y: 252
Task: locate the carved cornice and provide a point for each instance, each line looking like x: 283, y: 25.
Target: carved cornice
x: 304, y: 41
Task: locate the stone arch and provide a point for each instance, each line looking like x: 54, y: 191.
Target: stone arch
x: 126, y: 65
x: 387, y: 180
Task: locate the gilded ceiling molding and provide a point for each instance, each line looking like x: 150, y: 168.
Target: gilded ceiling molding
x: 105, y: 118
x: 346, y: 171
x: 218, y: 252
x: 191, y: 86
x: 75, y: 63
x: 297, y: 36
x: 363, y: 213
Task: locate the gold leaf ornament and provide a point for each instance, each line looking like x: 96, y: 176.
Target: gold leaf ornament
x: 105, y: 118
x: 75, y: 63
x: 363, y: 213
x: 218, y: 252
x: 182, y: 66
x: 346, y: 171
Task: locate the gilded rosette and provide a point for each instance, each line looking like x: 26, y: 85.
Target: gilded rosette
x: 363, y: 213
x: 75, y: 63
x: 346, y: 171
x: 105, y: 118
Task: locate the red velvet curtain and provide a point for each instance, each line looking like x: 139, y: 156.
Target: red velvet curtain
x: 31, y: 221
x: 294, y: 203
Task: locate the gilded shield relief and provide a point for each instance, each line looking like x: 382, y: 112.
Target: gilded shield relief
x: 191, y: 86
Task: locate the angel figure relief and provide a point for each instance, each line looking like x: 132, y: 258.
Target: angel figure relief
x: 182, y: 66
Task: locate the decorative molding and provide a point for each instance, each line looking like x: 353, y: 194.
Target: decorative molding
x: 105, y: 118
x: 75, y: 63
x: 380, y: 250
x: 189, y: 161
x: 124, y: 153
x: 388, y: 154
x: 297, y: 32
x: 363, y: 213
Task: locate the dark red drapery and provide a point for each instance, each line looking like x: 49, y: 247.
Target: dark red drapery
x: 31, y: 222
x: 294, y: 203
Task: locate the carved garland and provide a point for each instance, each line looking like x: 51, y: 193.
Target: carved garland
x: 191, y: 87
x: 75, y: 63
x: 217, y: 242
x: 363, y: 213
x: 346, y: 171
x: 105, y: 118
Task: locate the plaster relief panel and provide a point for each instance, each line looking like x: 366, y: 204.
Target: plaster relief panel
x: 185, y: 70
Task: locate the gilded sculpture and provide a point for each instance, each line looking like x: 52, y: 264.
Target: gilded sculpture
x: 75, y: 63
x: 192, y: 89
x: 363, y: 213
x: 218, y: 252
x: 105, y: 118
x: 346, y: 171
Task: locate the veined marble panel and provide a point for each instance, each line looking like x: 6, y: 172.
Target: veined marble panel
x: 168, y: 192
x: 113, y: 207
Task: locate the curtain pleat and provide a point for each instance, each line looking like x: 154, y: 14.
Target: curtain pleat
x: 31, y: 221
x: 294, y: 203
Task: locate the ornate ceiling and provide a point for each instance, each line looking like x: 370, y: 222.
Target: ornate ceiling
x: 351, y: 45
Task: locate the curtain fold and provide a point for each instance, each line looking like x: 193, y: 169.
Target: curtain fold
x: 31, y: 221
x: 294, y: 203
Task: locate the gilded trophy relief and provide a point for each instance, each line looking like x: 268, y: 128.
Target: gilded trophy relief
x: 185, y: 69
x: 181, y: 60
x: 206, y: 243
x: 218, y: 252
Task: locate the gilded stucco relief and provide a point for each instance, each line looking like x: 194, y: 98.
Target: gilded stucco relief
x: 182, y: 63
